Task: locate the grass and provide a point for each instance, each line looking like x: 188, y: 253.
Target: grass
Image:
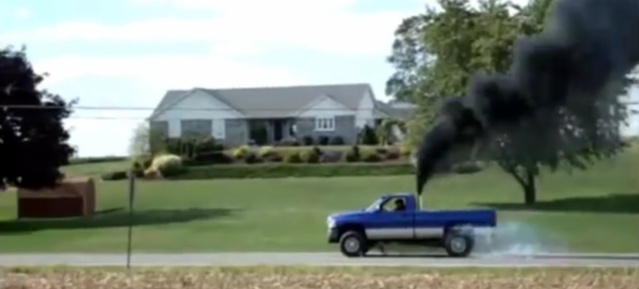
x: 594, y: 211
x: 327, y: 277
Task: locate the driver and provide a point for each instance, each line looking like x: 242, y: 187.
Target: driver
x: 399, y: 205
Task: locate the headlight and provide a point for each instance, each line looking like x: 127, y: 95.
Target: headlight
x: 330, y: 222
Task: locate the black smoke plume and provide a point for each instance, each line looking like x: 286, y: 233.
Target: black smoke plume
x: 585, y: 50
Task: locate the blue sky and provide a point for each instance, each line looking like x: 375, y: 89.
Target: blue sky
x: 128, y: 52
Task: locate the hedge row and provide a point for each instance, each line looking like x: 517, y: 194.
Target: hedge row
x: 94, y: 160
x: 281, y: 170
x: 293, y: 170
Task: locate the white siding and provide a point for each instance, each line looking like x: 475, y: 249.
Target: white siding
x: 365, y: 110
x: 199, y: 105
x: 326, y: 107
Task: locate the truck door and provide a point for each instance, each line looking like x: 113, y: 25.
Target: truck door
x: 390, y: 224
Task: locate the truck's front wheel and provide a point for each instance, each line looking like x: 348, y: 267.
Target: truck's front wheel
x: 353, y: 244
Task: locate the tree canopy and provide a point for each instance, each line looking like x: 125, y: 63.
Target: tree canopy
x: 33, y: 140
x: 436, y: 53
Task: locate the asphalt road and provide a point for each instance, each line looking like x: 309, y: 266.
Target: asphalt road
x: 320, y: 259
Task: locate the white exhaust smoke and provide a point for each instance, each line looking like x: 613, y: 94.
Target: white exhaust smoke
x: 518, y: 238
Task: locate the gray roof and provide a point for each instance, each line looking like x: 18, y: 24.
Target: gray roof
x: 400, y: 110
x: 265, y: 102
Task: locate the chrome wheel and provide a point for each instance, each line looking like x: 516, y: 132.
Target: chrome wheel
x: 458, y: 244
x: 352, y: 245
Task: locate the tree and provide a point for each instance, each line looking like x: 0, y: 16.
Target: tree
x: 460, y: 41
x: 33, y: 139
x: 143, y: 139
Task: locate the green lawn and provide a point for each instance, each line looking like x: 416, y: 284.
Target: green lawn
x: 596, y: 210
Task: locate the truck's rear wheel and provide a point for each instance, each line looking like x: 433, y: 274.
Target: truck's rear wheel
x: 353, y: 244
x: 458, y: 244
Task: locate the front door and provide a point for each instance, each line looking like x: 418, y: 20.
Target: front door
x: 278, y: 126
x: 387, y: 224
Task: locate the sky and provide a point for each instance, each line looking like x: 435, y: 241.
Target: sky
x: 127, y: 53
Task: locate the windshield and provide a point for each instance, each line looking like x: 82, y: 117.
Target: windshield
x: 374, y: 206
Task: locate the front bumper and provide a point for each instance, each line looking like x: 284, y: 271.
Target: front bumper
x: 332, y: 235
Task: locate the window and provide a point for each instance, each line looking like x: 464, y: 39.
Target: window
x: 325, y: 124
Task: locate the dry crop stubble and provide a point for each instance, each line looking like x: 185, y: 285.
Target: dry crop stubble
x: 336, y: 277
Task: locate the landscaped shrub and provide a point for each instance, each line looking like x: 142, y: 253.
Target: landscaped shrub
x: 368, y: 136
x: 331, y: 156
x: 265, y: 151
x: 289, y: 142
x: 240, y: 152
x: 370, y: 156
x: 114, y: 176
x: 323, y: 140
x: 352, y: 154
x: 311, y: 155
x: 293, y: 157
x: 141, y: 162
x: 273, y: 158
x: 392, y: 154
x: 211, y: 158
x: 308, y: 140
x: 337, y: 141
x: 405, y: 150
x: 167, y: 165
x: 92, y: 160
x: 295, y: 170
x: 251, y: 158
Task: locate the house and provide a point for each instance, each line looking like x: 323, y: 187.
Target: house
x: 267, y: 115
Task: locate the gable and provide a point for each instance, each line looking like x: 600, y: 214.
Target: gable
x: 197, y: 104
x: 325, y: 106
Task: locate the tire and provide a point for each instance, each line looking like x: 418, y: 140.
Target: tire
x: 458, y: 244
x: 353, y: 244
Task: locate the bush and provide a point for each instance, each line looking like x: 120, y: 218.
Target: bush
x: 295, y: 170
x: 311, y: 155
x: 93, y: 160
x: 212, y: 158
x: 405, y: 150
x: 392, y: 154
x: 251, y: 158
x: 337, y: 141
x: 115, y: 176
x: 289, y: 142
x: 141, y: 162
x: 370, y: 156
x: 368, y: 136
x: 206, y: 146
x: 308, y: 140
x: 352, y: 155
x: 323, y: 140
x: 265, y: 151
x: 293, y: 157
x: 167, y: 165
x: 240, y: 152
x: 331, y: 156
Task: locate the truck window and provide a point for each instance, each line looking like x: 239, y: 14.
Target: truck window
x: 394, y: 204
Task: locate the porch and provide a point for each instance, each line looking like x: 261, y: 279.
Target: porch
x: 270, y: 131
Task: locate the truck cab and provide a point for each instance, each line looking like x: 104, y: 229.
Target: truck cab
x: 387, y: 221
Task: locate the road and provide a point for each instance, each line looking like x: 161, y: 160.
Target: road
x: 319, y: 259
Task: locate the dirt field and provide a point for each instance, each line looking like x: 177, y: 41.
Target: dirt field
x: 300, y: 278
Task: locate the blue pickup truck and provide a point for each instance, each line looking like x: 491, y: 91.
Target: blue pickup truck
x: 359, y: 231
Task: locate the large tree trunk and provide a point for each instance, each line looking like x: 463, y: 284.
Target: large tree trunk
x: 527, y: 183
x: 530, y: 190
